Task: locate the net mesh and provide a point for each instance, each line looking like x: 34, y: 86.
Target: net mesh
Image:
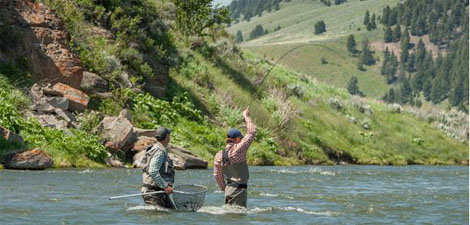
x: 189, y: 197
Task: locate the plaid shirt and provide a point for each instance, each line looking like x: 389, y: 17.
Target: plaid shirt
x: 236, y: 154
x: 156, y: 163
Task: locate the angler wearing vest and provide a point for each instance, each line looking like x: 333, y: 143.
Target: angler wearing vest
x: 230, y: 168
x: 158, y: 173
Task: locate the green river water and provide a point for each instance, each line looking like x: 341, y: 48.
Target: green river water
x: 276, y: 195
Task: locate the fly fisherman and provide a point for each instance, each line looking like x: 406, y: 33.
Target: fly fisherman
x: 158, y: 173
x: 230, y: 168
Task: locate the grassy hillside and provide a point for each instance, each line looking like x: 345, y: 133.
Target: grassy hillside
x: 297, y: 19
x: 299, y: 119
x: 319, y: 131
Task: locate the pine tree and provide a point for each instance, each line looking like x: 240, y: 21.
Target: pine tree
x: 405, y: 91
x: 411, y: 63
x: 405, y: 39
x: 392, y: 19
x: 396, y: 34
x: 366, y: 57
x: 366, y: 18
x: 239, y: 37
x: 385, y: 15
x: 373, y: 22
x: 420, y: 51
x: 353, y: 88
x: 388, y: 35
x: 351, y: 44
x: 320, y: 27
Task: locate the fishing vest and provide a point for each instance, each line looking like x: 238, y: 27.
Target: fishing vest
x: 166, y: 170
x: 237, y: 174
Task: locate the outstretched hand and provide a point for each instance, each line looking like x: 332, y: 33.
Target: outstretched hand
x: 246, y: 112
x: 168, y: 190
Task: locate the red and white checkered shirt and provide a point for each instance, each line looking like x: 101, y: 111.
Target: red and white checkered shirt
x: 236, y: 154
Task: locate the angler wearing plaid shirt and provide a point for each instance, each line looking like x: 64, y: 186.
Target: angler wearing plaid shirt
x: 158, y: 173
x: 230, y: 168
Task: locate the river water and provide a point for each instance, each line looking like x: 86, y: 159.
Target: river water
x: 276, y: 195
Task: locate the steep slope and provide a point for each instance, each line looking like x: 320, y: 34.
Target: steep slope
x: 294, y: 23
x: 208, y: 82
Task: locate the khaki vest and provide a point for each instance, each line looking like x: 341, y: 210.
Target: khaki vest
x: 237, y: 173
x: 166, y: 170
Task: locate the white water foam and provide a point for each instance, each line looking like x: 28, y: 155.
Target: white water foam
x: 239, y: 210
x: 148, y: 207
x: 85, y: 171
x: 293, y: 209
x: 310, y: 171
x: 225, y: 209
x: 268, y: 194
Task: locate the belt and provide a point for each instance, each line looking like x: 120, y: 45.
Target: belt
x: 237, y: 185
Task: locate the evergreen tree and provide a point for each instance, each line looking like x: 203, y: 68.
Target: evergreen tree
x: 366, y: 57
x: 396, y: 34
x: 388, y: 36
x: 258, y: 31
x: 367, y: 18
x: 385, y: 14
x: 405, y: 39
x: 320, y: 27
x: 239, y: 37
x: 392, y: 19
x: 420, y: 51
x: 351, y: 44
x: 373, y: 22
x: 405, y: 92
x: 353, y: 88
x: 411, y: 63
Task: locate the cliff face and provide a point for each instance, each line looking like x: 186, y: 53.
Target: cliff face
x: 40, y: 42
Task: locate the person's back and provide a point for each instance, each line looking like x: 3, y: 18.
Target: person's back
x: 230, y: 167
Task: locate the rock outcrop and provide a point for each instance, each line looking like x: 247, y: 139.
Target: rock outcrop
x: 52, y: 106
x: 184, y: 159
x: 78, y: 100
x: 93, y: 83
x: 32, y: 160
x: 117, y: 132
x: 44, y: 43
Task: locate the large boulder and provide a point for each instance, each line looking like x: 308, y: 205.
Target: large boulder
x: 93, y: 83
x: 30, y: 160
x: 144, y: 132
x: 118, y: 133
x: 184, y: 159
x: 143, y: 143
x: 78, y: 100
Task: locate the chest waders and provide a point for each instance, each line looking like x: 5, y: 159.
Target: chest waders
x: 236, y: 176
x: 166, y: 172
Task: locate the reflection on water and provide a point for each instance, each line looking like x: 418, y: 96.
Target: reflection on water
x: 279, y: 195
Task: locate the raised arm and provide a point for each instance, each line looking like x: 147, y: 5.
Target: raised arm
x: 239, y: 152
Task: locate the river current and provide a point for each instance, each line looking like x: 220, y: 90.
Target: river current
x: 276, y: 195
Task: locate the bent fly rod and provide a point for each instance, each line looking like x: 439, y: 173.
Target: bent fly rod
x: 284, y: 55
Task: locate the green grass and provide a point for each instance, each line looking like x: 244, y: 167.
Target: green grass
x: 297, y: 19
